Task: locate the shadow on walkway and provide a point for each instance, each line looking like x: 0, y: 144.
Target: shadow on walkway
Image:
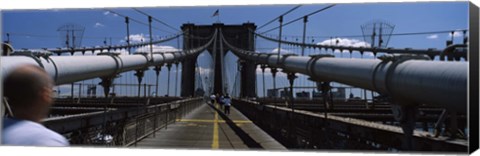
x: 249, y: 141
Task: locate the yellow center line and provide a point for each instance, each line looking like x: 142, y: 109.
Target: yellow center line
x: 215, y: 144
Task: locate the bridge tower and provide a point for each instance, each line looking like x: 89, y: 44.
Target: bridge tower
x: 239, y: 36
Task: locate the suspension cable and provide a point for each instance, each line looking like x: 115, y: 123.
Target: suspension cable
x: 429, y: 52
x: 395, y: 34
x: 138, y: 21
x: 113, y: 47
x: 273, y: 20
x: 155, y: 19
x: 300, y: 18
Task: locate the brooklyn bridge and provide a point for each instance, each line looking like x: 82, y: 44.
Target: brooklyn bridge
x: 316, y: 96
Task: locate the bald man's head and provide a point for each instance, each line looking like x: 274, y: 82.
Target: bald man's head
x: 27, y: 87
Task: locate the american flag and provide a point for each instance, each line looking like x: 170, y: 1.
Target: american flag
x: 215, y: 13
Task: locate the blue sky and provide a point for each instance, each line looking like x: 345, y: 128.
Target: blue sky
x: 343, y: 19
x: 38, y: 28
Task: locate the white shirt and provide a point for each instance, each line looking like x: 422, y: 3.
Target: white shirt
x: 29, y: 133
x: 227, y: 101
x: 212, y: 97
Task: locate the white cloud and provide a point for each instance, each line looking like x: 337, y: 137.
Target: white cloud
x: 345, y: 42
x: 98, y: 25
x: 137, y: 38
x: 259, y: 70
x: 268, y: 72
x: 106, y: 13
x: 434, y: 36
x: 156, y: 48
x: 205, y: 71
x: 282, y: 51
x: 121, y: 51
x: 141, y: 38
x: 455, y: 34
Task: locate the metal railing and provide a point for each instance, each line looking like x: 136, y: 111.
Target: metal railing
x: 120, y: 127
x: 308, y: 130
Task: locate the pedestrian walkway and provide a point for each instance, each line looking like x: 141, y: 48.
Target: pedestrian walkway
x: 208, y: 128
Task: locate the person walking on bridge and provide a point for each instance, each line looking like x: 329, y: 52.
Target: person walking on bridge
x: 227, y: 102
x: 212, y: 98
x: 28, y: 92
x: 221, y: 101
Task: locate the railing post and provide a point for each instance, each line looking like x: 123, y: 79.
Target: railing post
x: 274, y: 73
x: 157, y: 72
x: 149, y: 91
x: 79, y: 92
x: 176, y: 113
x: 124, y: 133
x: 154, y: 121
x: 144, y: 90
x: 291, y: 78
x: 71, y: 90
x: 136, y: 131
x: 176, y: 78
x: 124, y: 140
x: 263, y: 66
x: 169, y: 67
x: 406, y: 115
x: 139, y: 74
x: 166, y: 115
x: 184, y: 107
x: 325, y: 88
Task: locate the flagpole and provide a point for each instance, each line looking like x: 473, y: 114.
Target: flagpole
x: 217, y: 13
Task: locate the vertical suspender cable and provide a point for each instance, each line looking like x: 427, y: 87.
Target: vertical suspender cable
x: 280, y: 20
x: 169, y: 66
x: 128, y: 35
x: 151, y: 37
x: 176, y: 78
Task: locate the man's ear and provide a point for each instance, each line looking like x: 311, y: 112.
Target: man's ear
x: 46, y: 96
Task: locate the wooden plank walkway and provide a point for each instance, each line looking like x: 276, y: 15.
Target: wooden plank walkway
x: 208, y: 127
